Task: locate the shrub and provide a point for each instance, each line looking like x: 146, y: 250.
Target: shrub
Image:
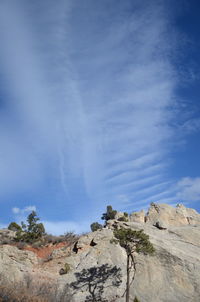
x: 33, y: 290
x: 133, y: 242
x: 110, y: 214
x: 96, y: 226
x: 71, y: 237
x: 136, y: 300
x: 123, y: 218
x: 13, y: 226
x: 32, y: 231
x: 68, y: 237
x: 65, y: 270
x: 126, y: 214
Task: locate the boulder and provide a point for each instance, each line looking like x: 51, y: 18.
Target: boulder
x: 160, y: 225
x: 137, y: 216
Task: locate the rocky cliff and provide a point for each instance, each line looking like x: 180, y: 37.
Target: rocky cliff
x: 95, y: 264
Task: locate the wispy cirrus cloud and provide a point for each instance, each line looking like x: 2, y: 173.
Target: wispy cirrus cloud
x: 92, y: 92
x: 189, y: 189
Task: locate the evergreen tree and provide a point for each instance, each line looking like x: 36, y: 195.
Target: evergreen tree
x: 32, y: 230
x: 13, y: 226
x: 96, y: 226
x: 110, y: 214
x: 133, y: 242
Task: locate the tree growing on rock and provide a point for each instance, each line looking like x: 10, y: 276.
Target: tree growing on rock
x: 13, y: 226
x: 110, y: 214
x: 96, y: 226
x: 31, y: 231
x: 133, y: 242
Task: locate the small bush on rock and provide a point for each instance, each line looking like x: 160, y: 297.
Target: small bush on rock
x: 96, y: 226
x: 32, y: 231
x: 65, y: 270
x: 110, y: 214
x: 123, y: 218
x: 13, y: 226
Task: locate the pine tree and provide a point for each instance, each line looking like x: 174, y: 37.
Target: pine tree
x: 32, y: 230
x: 110, y: 214
x: 96, y: 226
x: 133, y: 242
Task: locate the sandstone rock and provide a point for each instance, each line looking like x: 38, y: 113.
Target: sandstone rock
x: 172, y: 274
x: 6, y: 236
x: 119, y: 215
x: 137, y: 216
x: 14, y: 263
x: 160, y: 225
x: 172, y: 216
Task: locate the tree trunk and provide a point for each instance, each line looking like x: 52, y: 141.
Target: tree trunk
x: 128, y: 278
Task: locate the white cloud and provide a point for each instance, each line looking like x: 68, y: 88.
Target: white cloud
x: 15, y: 210
x: 189, y: 189
x: 24, y: 210
x: 190, y: 126
x: 92, y: 97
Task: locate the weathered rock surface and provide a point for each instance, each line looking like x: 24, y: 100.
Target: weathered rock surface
x: 6, y: 236
x: 14, y: 263
x: 137, y: 216
x: 172, y: 216
x: 171, y: 275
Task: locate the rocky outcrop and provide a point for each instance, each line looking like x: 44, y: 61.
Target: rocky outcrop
x: 6, y: 236
x: 172, y: 216
x: 15, y: 263
x: 166, y: 215
x: 94, y: 262
x: 137, y: 216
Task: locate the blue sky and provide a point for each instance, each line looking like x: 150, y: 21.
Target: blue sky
x: 99, y: 104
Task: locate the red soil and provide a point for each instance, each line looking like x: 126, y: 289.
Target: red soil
x: 44, y: 252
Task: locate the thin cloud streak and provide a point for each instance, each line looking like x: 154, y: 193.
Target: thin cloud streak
x: 93, y: 87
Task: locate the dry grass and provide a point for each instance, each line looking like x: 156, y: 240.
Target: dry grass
x: 31, y: 291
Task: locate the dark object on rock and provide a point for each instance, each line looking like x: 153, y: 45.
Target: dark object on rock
x: 92, y: 243
x: 64, y: 270
x: 75, y: 248
x: 160, y: 225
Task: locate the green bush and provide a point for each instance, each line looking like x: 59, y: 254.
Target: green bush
x: 32, y: 231
x: 110, y: 214
x: 123, y: 218
x: 13, y: 226
x: 65, y: 270
x: 136, y: 300
x: 126, y: 214
x: 96, y: 226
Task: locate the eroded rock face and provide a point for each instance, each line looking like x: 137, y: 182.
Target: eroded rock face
x: 15, y: 263
x: 137, y: 216
x: 171, y: 216
x: 172, y: 274
x: 6, y: 236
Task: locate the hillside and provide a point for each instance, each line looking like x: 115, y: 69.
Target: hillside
x: 94, y: 262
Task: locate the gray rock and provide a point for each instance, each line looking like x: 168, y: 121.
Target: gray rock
x: 172, y: 216
x: 172, y: 274
x: 160, y: 225
x: 6, y: 236
x: 137, y: 216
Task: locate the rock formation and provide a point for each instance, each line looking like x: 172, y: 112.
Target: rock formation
x: 172, y: 274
